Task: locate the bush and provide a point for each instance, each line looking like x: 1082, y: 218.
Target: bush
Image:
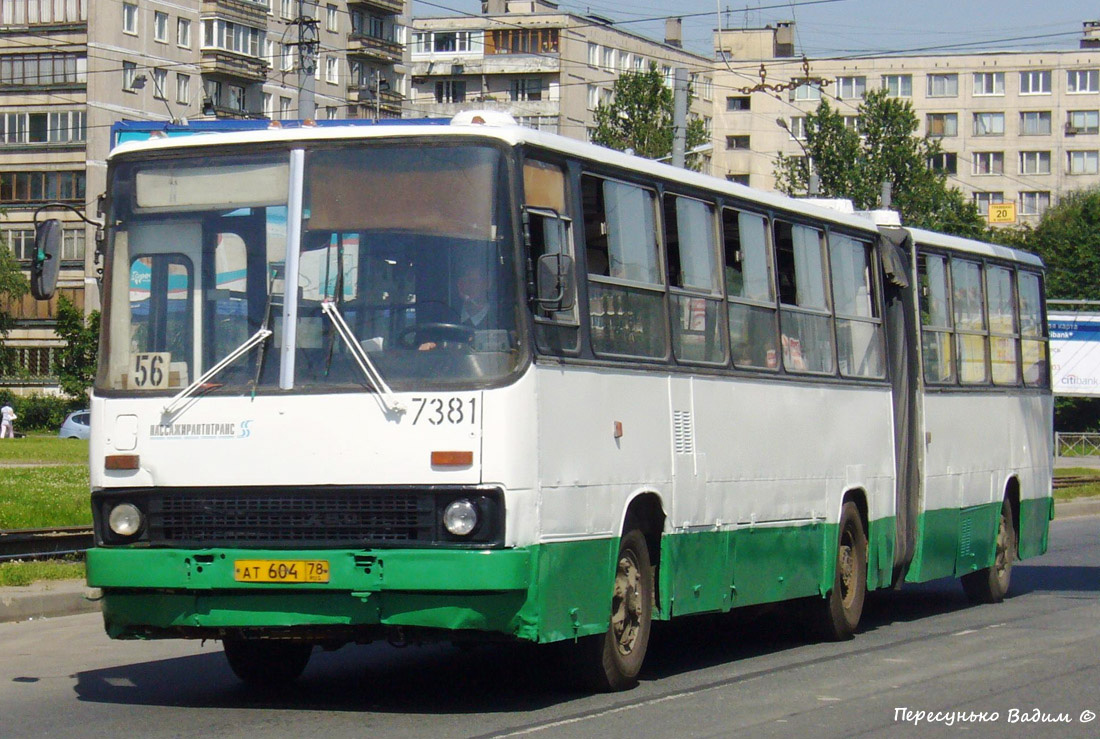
x: 40, y: 412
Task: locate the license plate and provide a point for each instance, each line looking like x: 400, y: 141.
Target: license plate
x: 280, y: 570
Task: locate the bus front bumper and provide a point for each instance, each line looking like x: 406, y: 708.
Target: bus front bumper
x: 154, y: 593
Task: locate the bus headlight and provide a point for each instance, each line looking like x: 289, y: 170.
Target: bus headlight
x: 125, y: 519
x: 460, y: 517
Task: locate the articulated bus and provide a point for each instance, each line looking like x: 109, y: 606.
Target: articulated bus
x: 476, y: 382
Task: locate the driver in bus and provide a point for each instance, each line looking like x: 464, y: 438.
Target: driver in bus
x: 472, y: 288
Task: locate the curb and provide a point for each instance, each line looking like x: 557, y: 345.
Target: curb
x: 1072, y: 508
x: 45, y: 600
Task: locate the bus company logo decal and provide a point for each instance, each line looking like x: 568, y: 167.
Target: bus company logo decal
x: 195, y: 431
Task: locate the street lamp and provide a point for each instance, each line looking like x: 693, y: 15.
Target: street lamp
x: 814, y: 187
x: 694, y: 150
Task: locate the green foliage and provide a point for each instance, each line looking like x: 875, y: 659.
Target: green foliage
x: 25, y: 573
x: 853, y: 165
x: 75, y: 363
x: 36, y: 497
x: 639, y: 117
x: 1068, y: 239
x: 13, y: 286
x: 40, y: 412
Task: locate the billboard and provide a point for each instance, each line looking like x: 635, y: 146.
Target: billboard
x: 1075, y: 353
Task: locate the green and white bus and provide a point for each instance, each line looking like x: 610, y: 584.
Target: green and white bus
x: 473, y: 381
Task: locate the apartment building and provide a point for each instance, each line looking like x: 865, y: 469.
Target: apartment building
x: 69, y: 69
x: 1015, y: 126
x: 548, y: 69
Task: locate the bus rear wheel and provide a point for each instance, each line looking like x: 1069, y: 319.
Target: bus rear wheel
x: 840, y: 611
x: 266, y: 663
x: 990, y: 585
x: 613, y: 661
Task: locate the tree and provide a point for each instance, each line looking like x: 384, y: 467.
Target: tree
x: 13, y: 286
x: 1068, y: 239
x: 639, y: 117
x: 75, y: 363
x: 853, y: 164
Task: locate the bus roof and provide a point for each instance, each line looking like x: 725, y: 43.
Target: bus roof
x: 157, y: 138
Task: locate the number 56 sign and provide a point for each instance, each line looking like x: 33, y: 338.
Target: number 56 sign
x: 1002, y: 212
x: 150, y: 370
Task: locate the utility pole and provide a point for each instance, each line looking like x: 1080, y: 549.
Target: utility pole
x: 307, y: 58
x: 679, y: 116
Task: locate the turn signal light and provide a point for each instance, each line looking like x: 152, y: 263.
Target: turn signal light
x: 452, y: 459
x: 120, y: 462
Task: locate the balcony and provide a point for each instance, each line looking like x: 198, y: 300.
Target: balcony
x: 245, y: 12
x: 375, y: 48
x: 387, y: 102
x: 390, y: 6
x: 228, y: 64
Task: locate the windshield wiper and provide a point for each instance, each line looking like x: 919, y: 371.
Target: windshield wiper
x: 370, y: 371
x: 172, y: 405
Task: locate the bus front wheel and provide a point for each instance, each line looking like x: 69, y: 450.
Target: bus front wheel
x: 842, y: 608
x: 613, y: 660
x: 266, y: 663
x: 990, y: 585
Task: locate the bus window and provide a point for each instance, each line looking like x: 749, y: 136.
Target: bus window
x: 1002, y: 325
x: 935, y: 314
x: 1032, y: 335
x: 970, y: 325
x: 860, y: 347
x: 697, y: 331
x: 806, y: 335
x: 556, y: 332
x: 749, y: 287
x: 625, y: 291
x: 161, y: 299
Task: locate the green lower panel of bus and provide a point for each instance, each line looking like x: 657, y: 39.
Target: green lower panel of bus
x: 545, y: 593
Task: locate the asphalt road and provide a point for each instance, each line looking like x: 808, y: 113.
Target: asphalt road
x: 926, y: 663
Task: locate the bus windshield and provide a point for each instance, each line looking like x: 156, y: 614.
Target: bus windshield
x: 409, y: 245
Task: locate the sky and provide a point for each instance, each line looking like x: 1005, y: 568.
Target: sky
x: 830, y: 28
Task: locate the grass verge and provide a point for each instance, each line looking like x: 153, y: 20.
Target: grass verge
x: 1087, y: 488
x: 36, y: 497
x: 43, y: 450
x: 25, y: 573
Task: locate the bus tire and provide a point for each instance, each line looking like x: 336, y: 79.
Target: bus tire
x: 990, y: 585
x: 265, y: 662
x: 840, y: 611
x: 614, y: 660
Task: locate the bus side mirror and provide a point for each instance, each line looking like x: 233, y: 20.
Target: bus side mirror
x: 556, y: 283
x: 47, y: 259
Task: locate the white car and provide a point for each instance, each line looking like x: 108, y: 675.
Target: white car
x: 76, y: 425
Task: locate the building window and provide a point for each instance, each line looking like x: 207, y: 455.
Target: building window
x: 526, y: 89
x: 449, y: 42
x: 626, y: 62
x: 851, y: 88
x: 20, y: 188
x: 42, y: 69
x: 1083, y: 80
x: 1035, y: 83
x: 235, y: 37
x: 183, y: 33
x: 1035, y: 123
x: 183, y: 89
x: 1083, y: 162
x: 593, y: 97
x: 985, y: 199
x: 450, y: 91
x: 34, y: 12
x: 59, y: 127
x: 989, y: 83
x: 160, y: 27
x: 898, y: 85
x: 740, y: 179
x: 522, y: 41
x: 943, y: 85
x: 160, y: 82
x: 21, y: 242
x: 737, y: 103
x: 806, y: 92
x: 943, y: 124
x: 798, y: 127
x: 286, y: 9
x: 989, y: 124
x: 1083, y: 121
x: 331, y: 66
x: 989, y: 162
x: 607, y: 59
x: 225, y: 96
x: 737, y: 142
x: 285, y: 110
x: 640, y: 66
x: 331, y: 18
x: 851, y: 122
x: 1034, y: 162
x: 945, y: 162
x: 593, y: 55
x: 129, y: 74
x: 1034, y: 203
x: 269, y: 105
x: 129, y: 19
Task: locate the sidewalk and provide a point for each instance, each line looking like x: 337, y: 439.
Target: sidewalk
x: 67, y: 597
